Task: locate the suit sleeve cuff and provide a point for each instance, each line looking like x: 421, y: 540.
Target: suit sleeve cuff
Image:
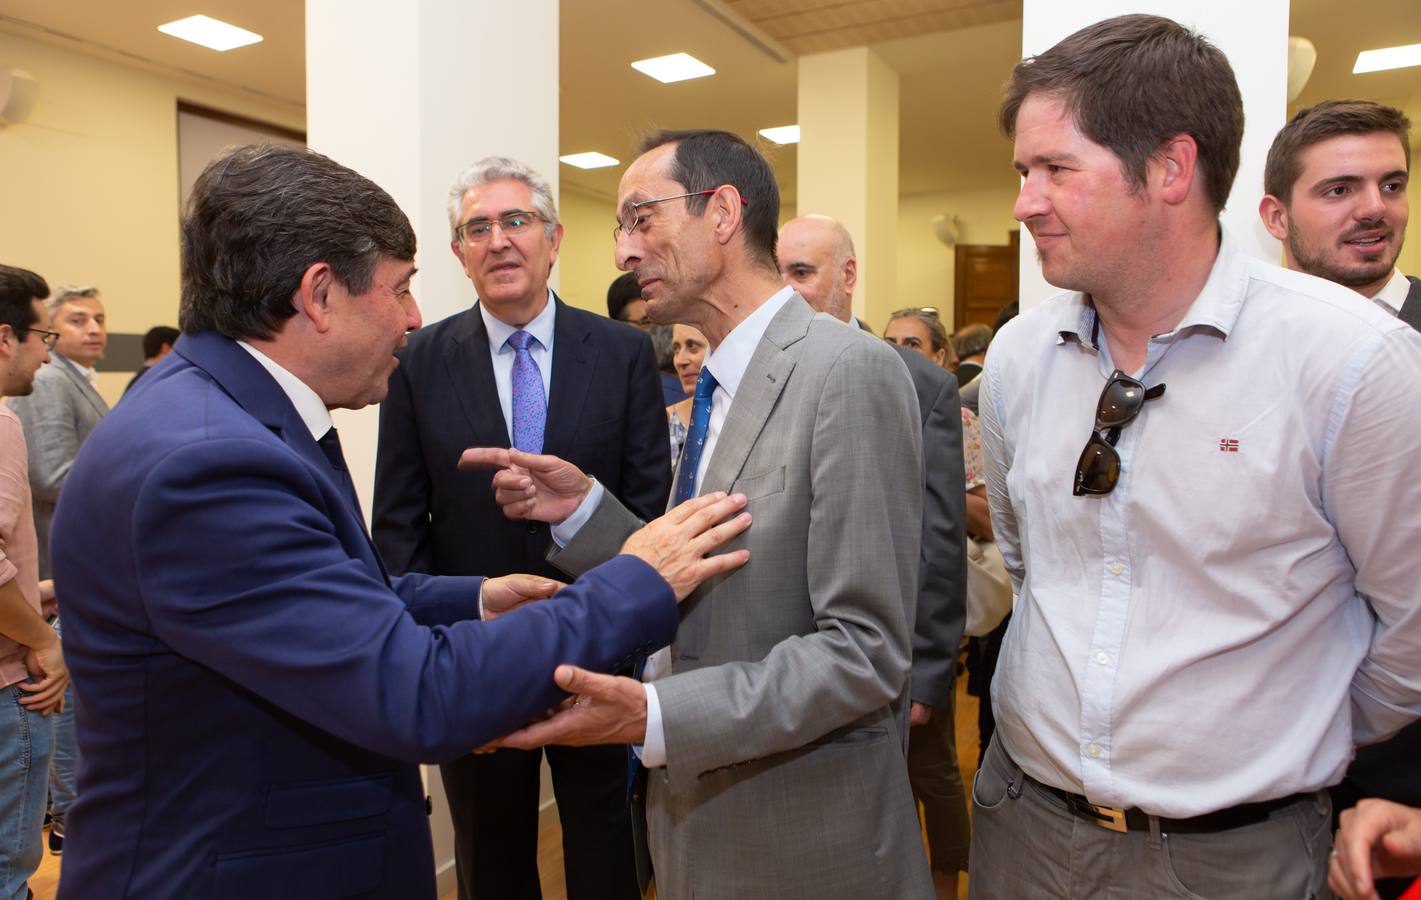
x: 652, y: 753
x: 564, y: 531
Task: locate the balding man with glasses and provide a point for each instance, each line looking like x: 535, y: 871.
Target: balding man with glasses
x: 1217, y: 584
x: 520, y: 368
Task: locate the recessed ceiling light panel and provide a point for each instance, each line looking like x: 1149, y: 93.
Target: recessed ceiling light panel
x: 785, y: 134
x: 676, y: 67
x: 591, y: 160
x: 212, y: 33
x: 1387, y: 58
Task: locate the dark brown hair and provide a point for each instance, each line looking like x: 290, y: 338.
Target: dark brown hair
x: 19, y: 289
x: 705, y: 159
x: 1133, y: 82
x: 259, y: 217
x: 1328, y: 119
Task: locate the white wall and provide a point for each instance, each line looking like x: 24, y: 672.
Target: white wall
x: 1254, y: 37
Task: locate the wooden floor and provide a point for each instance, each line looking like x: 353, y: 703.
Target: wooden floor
x: 46, y: 880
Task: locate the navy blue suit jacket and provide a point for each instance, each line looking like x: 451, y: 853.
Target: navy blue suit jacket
x: 605, y: 416
x: 253, y: 692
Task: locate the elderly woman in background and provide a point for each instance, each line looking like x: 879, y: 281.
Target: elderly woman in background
x: 689, y: 347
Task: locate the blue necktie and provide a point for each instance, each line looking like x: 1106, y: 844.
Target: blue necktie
x: 530, y: 405
x: 696, y: 436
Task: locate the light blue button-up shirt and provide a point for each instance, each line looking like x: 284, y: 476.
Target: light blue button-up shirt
x: 1218, y: 628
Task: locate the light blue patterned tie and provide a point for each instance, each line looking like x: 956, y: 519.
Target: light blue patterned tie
x: 530, y: 405
x: 696, y: 436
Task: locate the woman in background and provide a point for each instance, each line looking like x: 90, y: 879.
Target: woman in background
x: 918, y: 328
x: 689, y: 347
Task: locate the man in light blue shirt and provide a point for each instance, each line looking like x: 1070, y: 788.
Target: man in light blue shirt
x: 1191, y: 654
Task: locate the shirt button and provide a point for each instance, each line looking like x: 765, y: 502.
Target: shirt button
x: 1093, y: 751
x: 1102, y: 657
x: 1116, y: 568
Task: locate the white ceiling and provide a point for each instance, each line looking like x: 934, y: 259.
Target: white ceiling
x: 951, y: 80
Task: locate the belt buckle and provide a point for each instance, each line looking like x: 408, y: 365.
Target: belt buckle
x: 1109, y: 817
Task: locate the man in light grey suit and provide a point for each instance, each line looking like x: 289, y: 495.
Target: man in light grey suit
x: 774, y: 727
x: 57, y: 417
x: 64, y: 406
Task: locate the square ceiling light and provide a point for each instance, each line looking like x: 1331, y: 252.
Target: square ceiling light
x: 211, y: 33
x: 676, y: 67
x: 785, y: 134
x: 1387, y: 58
x: 591, y: 160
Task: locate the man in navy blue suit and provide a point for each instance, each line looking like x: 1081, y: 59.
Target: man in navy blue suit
x: 578, y: 385
x: 253, y: 689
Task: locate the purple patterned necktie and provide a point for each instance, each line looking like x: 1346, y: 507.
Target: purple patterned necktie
x: 530, y: 406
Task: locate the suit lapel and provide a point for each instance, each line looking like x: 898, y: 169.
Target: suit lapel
x: 468, y: 360
x: 574, y: 360
x: 1411, y: 310
x: 82, y: 385
x: 760, y: 388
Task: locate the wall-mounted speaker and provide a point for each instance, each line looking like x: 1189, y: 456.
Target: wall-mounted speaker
x: 18, y: 89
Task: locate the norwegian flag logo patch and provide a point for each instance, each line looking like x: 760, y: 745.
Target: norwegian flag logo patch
x: 1228, y: 445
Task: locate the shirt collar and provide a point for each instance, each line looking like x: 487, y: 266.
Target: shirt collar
x: 541, y: 328
x: 1392, y: 296
x: 84, y: 372
x: 309, y: 406
x: 1216, y: 308
x: 729, y: 361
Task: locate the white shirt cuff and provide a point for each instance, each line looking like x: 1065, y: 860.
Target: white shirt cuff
x: 481, y: 599
x: 652, y: 753
x: 563, y: 532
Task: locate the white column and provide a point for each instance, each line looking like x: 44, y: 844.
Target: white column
x: 1253, y: 35
x: 848, y: 163
x: 408, y: 94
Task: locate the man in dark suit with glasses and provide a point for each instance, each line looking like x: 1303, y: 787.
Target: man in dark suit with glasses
x: 520, y: 368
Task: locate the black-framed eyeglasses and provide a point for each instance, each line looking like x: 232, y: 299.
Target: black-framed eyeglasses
x: 50, y: 338
x: 476, y: 231
x: 626, y: 225
x: 1120, y: 403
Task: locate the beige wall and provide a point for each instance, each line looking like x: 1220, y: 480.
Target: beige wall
x: 925, y: 264
x: 585, y: 267
x: 91, y: 180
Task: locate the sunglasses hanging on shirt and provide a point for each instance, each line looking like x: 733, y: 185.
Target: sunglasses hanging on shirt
x: 1120, y: 403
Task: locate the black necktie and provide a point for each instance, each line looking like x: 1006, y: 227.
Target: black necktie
x: 330, y: 445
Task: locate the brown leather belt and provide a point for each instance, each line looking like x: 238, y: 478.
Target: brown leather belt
x: 1125, y: 820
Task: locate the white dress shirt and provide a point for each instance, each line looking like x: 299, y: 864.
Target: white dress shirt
x: 541, y: 328
x: 727, y: 363
x: 309, y: 406
x: 1392, y: 296
x: 1220, y: 627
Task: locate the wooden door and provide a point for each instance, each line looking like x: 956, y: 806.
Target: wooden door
x: 986, y: 280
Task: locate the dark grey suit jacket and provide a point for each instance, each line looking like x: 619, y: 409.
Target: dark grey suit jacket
x: 604, y: 415
x: 57, y: 417
x: 942, y: 570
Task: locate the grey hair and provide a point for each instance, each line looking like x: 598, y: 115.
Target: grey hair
x: 501, y: 168
x: 66, y: 292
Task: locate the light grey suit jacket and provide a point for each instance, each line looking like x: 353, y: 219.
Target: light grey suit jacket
x: 784, y: 713
x: 57, y: 417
